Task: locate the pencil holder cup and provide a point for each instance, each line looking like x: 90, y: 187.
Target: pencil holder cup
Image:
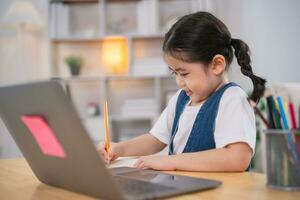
x: 283, y: 159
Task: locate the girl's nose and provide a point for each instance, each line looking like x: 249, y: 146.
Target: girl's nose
x: 180, y: 81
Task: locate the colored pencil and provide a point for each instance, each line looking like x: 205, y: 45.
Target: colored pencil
x: 282, y: 113
x: 270, y: 111
x: 285, y: 104
x: 292, y: 114
x: 106, y: 126
x: 299, y: 117
x: 276, y: 114
x: 257, y: 111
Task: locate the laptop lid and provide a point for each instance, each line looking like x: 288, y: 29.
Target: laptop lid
x: 53, y: 153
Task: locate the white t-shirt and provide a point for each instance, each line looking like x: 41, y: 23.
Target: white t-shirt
x: 235, y: 121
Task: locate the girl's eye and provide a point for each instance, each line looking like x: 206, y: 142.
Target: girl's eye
x: 177, y: 74
x: 184, y: 75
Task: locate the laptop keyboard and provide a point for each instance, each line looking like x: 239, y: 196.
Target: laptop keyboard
x: 141, y: 189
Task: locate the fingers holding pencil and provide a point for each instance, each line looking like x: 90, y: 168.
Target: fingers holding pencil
x: 111, y: 154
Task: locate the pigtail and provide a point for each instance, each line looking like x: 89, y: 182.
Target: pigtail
x: 241, y: 51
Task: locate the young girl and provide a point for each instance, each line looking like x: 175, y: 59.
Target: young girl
x: 208, y: 124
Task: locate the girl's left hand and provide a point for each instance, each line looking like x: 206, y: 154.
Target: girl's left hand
x: 157, y: 162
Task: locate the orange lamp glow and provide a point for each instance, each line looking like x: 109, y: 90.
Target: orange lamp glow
x: 115, y: 55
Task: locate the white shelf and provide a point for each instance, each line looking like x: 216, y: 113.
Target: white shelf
x: 117, y: 91
x: 110, y: 77
x: 101, y: 38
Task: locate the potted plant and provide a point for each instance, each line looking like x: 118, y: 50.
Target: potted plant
x: 75, y: 64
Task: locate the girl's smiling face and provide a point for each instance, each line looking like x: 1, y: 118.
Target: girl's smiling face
x: 197, y: 80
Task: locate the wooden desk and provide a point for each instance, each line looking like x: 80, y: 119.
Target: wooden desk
x: 17, y: 181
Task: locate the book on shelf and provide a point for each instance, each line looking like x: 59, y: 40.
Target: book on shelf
x: 59, y: 22
x: 147, y: 17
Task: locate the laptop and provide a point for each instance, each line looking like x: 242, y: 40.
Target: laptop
x: 47, y: 129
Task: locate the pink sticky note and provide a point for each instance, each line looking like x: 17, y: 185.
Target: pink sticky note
x: 43, y: 135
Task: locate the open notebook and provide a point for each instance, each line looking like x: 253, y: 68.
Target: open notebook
x: 123, y: 162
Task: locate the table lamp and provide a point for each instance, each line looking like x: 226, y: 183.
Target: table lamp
x: 115, y: 55
x: 22, y: 15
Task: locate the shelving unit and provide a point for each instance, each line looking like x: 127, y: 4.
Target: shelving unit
x: 118, y: 90
x: 79, y: 27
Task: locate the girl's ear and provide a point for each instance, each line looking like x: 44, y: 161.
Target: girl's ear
x: 218, y: 64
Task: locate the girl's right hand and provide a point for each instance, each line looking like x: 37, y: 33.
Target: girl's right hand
x: 112, y: 154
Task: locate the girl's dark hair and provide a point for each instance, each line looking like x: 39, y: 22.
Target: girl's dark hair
x: 198, y: 37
